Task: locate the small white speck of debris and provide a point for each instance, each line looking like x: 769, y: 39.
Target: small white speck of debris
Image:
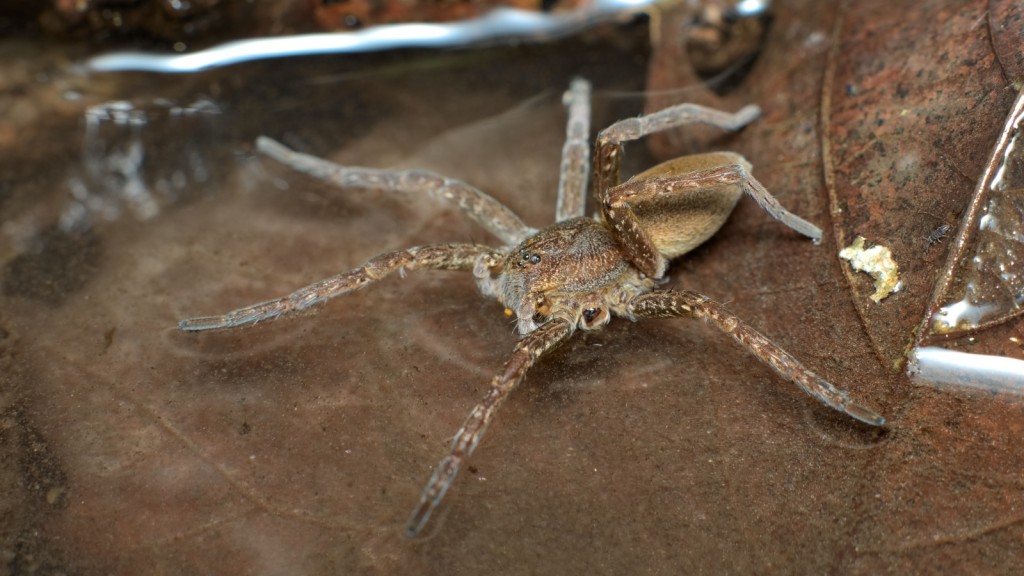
x: 814, y: 38
x: 876, y: 261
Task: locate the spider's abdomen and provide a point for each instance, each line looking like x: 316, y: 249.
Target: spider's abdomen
x: 679, y: 223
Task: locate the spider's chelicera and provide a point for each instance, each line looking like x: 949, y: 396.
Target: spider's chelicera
x: 578, y: 272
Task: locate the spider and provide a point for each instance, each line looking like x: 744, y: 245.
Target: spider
x: 578, y: 272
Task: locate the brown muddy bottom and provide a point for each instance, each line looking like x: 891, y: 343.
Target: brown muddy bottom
x: 129, y: 202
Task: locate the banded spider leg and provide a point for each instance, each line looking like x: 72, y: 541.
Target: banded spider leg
x: 731, y: 169
x: 673, y: 303
x: 432, y: 257
x: 533, y: 345
x: 478, y: 206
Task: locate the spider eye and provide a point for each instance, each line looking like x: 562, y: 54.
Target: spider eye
x: 535, y: 259
x: 594, y: 318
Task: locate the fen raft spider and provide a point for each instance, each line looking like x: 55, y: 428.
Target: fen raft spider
x: 579, y: 271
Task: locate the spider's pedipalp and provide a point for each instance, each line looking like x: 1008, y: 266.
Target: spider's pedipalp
x: 575, y: 167
x: 670, y: 304
x: 486, y: 273
x: 478, y: 206
x: 431, y: 257
x: 527, y: 351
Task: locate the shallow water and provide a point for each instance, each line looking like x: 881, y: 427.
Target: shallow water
x: 298, y: 446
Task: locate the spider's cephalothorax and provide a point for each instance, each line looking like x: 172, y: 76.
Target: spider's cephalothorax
x: 580, y: 271
x: 573, y: 269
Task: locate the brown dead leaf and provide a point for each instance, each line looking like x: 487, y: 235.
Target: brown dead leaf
x: 879, y: 120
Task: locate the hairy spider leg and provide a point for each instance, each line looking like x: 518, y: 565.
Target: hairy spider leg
x: 478, y: 206
x: 672, y: 303
x: 575, y: 167
x: 608, y: 146
x: 527, y: 351
x: 628, y: 229
x: 433, y: 257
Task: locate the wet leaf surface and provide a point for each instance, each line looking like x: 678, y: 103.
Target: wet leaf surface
x: 300, y: 445
x: 898, y: 110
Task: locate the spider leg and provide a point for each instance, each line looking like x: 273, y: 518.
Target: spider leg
x: 637, y: 241
x: 608, y: 147
x: 435, y: 257
x: 735, y: 174
x: 572, y: 178
x: 670, y: 304
x: 527, y: 351
x: 478, y: 206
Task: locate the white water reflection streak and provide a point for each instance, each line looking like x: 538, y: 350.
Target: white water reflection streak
x: 500, y: 24
x: 934, y: 365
